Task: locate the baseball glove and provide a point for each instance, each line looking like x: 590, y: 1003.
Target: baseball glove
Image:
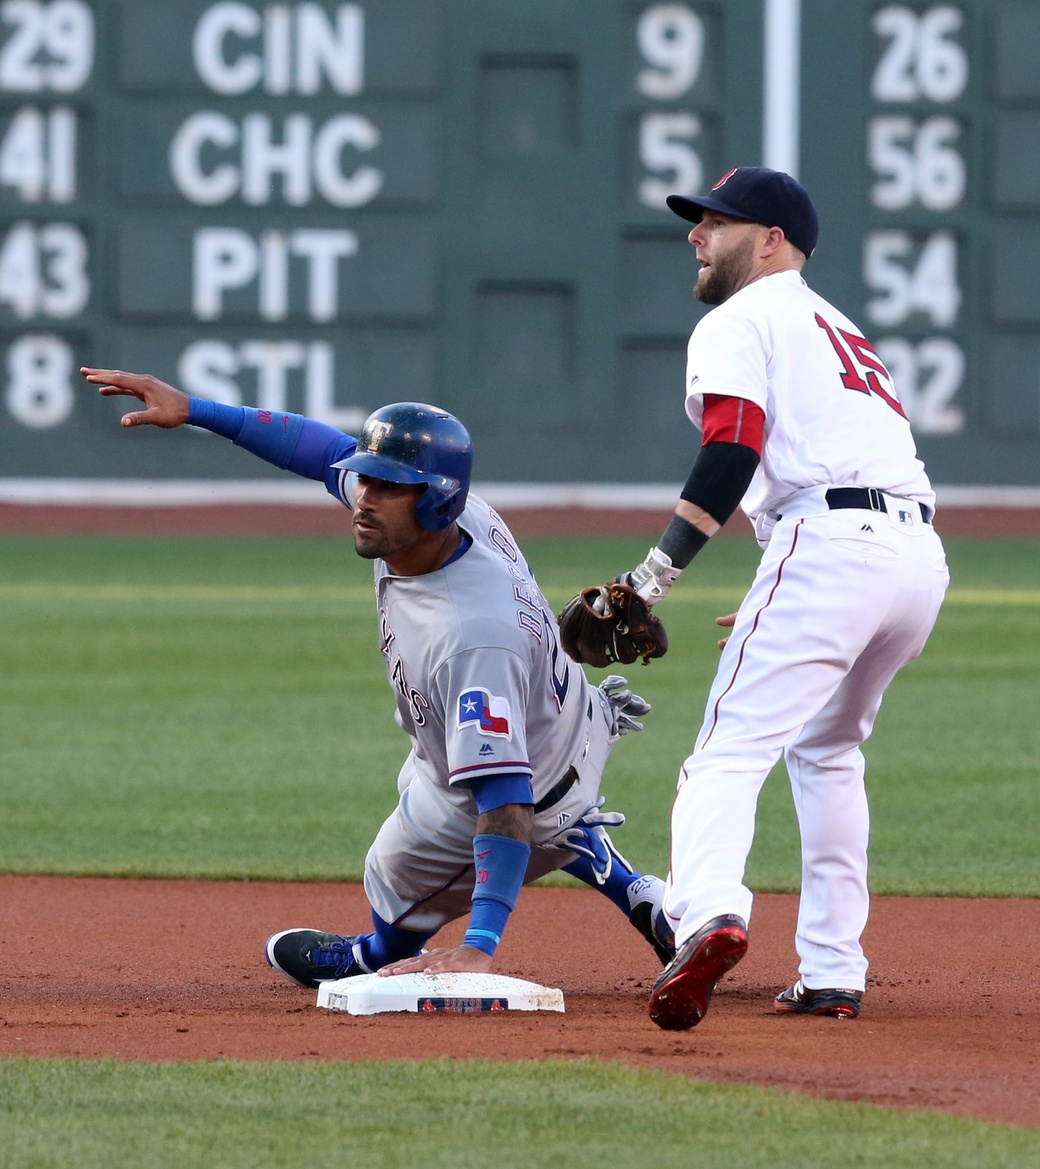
x: 611, y: 623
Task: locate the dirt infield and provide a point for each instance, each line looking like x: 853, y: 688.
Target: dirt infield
x: 329, y: 520
x: 147, y: 970
x: 143, y: 970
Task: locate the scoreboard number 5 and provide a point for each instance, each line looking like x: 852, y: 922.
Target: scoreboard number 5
x: 670, y: 38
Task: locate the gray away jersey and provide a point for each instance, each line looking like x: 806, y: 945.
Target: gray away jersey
x: 473, y: 656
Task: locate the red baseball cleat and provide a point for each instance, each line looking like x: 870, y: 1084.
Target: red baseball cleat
x: 680, y: 996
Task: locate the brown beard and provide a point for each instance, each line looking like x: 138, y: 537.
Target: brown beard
x: 728, y: 274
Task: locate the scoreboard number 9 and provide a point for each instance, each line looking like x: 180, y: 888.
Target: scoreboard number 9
x: 671, y: 41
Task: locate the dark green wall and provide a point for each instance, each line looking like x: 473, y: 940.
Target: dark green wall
x: 460, y: 208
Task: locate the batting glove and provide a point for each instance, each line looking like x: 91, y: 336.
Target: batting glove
x: 653, y: 578
x: 626, y: 708
x: 588, y: 837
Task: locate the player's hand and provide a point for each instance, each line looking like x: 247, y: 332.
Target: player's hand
x: 166, y: 407
x: 442, y: 961
x: 725, y: 623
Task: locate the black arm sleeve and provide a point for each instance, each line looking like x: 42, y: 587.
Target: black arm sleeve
x: 716, y: 485
x: 720, y: 477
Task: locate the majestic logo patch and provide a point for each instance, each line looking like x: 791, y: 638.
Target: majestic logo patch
x: 489, y: 712
x: 485, y: 749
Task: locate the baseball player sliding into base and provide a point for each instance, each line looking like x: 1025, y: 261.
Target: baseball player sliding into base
x: 508, y: 738
x: 803, y: 428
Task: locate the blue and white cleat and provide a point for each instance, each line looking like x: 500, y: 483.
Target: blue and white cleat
x: 645, y: 896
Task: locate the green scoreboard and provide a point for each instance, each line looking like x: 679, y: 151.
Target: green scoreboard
x: 325, y: 206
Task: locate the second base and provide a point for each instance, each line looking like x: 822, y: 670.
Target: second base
x: 466, y: 994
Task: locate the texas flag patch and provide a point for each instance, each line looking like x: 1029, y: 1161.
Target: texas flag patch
x: 487, y: 711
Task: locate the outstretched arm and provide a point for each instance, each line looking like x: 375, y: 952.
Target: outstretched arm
x: 164, y: 406
x: 289, y: 441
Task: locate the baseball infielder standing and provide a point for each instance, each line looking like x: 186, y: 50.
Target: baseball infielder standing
x: 803, y: 428
x: 508, y: 738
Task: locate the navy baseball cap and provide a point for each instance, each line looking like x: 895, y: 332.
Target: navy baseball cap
x: 756, y: 193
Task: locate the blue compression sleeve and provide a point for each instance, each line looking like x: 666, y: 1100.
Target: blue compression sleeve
x: 289, y: 441
x: 487, y: 923
x: 273, y: 437
x: 318, y: 447
x: 501, y: 863
x: 215, y: 416
x: 495, y: 791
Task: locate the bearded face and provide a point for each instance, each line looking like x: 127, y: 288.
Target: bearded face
x: 725, y: 267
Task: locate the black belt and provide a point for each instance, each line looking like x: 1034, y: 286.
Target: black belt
x: 866, y: 499
x: 558, y: 790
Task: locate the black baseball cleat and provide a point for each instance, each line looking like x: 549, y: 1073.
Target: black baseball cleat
x: 680, y: 996
x: 311, y: 957
x: 834, y: 1001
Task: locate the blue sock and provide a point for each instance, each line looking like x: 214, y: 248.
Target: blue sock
x: 390, y: 943
x: 616, y: 884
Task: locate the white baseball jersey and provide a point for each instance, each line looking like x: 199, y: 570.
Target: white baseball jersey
x: 845, y: 595
x: 832, y: 414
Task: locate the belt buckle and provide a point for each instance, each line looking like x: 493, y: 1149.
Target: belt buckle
x: 876, y: 500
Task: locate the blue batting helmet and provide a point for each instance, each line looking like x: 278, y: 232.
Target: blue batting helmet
x: 410, y: 442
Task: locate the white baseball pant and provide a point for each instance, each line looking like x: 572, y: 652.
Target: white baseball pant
x: 419, y: 871
x: 841, y: 601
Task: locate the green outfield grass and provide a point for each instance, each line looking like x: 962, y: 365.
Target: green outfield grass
x: 194, y: 707
x: 72, y: 1115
